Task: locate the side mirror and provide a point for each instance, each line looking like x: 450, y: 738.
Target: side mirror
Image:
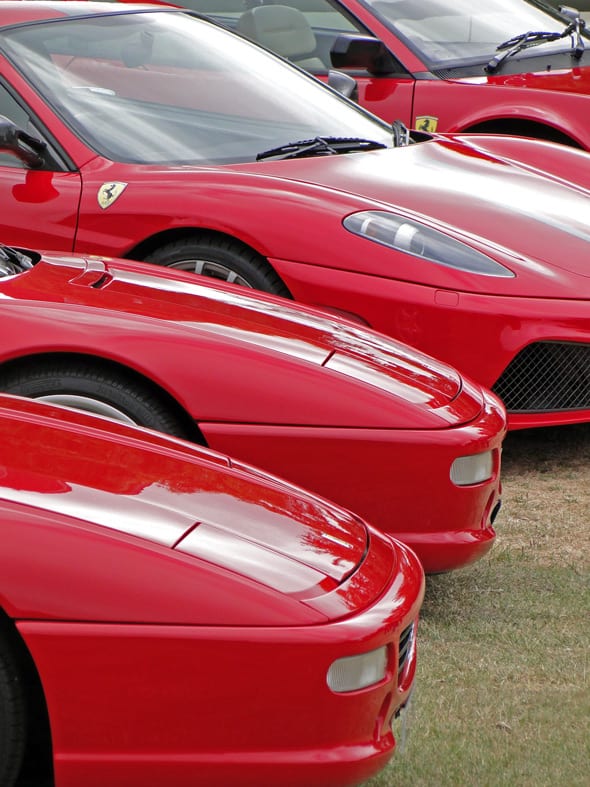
x: 20, y: 144
x: 344, y: 84
x: 366, y: 52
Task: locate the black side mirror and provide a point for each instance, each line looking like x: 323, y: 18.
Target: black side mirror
x: 366, y: 52
x: 20, y: 144
x: 344, y: 84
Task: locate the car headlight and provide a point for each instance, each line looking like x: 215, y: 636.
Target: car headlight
x: 352, y: 673
x: 423, y: 241
x: 475, y: 469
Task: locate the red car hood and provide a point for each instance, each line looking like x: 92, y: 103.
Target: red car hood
x: 574, y: 80
x: 401, y: 387
x: 506, y: 197
x: 172, y: 495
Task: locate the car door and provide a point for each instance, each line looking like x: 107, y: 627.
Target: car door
x: 39, y: 205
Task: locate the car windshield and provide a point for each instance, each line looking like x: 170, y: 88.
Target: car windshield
x: 164, y: 87
x: 445, y: 31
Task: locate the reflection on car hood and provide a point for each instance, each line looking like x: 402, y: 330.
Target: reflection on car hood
x: 499, y: 194
x: 402, y: 387
x: 575, y: 80
x: 175, y: 496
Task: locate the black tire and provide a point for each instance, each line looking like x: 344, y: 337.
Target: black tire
x: 114, y: 395
x: 13, y: 726
x: 220, y: 258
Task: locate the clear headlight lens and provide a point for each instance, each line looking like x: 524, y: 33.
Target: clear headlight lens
x: 468, y: 470
x: 352, y: 673
x: 422, y: 241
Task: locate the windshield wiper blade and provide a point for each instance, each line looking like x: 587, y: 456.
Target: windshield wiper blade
x: 534, y: 38
x: 517, y: 44
x: 320, y: 146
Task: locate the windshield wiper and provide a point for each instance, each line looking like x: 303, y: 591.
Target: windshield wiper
x: 320, y: 146
x: 517, y: 44
x: 535, y: 38
x: 575, y: 27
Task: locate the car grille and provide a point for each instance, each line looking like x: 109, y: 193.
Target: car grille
x: 405, y: 648
x: 547, y: 376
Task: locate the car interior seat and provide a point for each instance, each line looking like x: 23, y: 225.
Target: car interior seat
x: 283, y: 30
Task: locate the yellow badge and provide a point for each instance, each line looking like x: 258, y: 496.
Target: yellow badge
x: 109, y: 192
x: 426, y: 123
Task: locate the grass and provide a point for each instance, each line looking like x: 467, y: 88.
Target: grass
x: 502, y: 695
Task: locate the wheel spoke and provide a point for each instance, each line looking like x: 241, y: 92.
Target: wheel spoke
x: 89, y: 405
x: 214, y: 270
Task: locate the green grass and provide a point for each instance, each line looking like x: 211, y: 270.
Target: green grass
x: 502, y: 695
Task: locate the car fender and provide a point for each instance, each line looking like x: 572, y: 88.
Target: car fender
x: 295, y: 390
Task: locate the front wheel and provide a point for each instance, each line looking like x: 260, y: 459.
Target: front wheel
x: 97, y: 391
x: 221, y: 258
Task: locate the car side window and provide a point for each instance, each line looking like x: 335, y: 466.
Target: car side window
x: 303, y: 31
x: 18, y: 114
x: 11, y: 109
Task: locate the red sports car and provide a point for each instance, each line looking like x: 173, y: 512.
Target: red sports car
x: 437, y: 65
x: 395, y: 436
x: 140, y: 132
x: 171, y: 617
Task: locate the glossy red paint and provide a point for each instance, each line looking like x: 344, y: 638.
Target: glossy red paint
x: 438, y: 82
x: 168, y: 599
x: 324, y: 402
x: 280, y: 223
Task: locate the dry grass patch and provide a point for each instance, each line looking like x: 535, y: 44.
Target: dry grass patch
x: 503, y: 689
x: 547, y: 494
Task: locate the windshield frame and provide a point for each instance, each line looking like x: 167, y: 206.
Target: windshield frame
x: 343, y: 118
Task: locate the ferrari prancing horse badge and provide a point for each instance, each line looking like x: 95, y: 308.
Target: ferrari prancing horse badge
x: 426, y: 123
x: 109, y: 192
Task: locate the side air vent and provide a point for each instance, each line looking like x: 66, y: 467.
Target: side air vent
x: 405, y: 648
